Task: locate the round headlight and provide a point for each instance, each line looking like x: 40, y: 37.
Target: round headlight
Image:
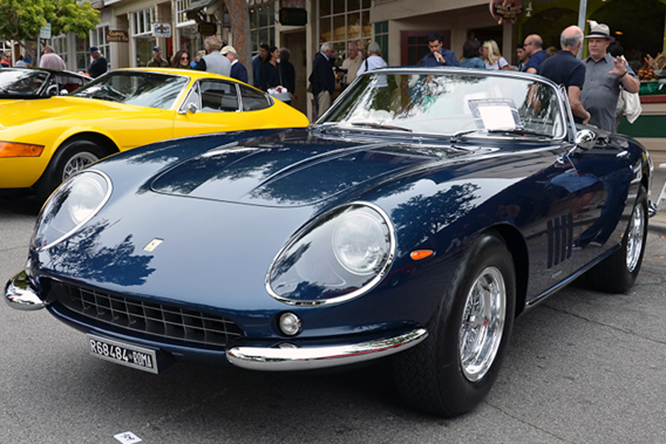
x: 360, y: 242
x: 72, y: 205
x: 338, y: 256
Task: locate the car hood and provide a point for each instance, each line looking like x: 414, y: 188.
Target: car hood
x: 293, y: 168
x: 19, y: 112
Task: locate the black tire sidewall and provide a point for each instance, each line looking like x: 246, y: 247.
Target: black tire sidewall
x: 461, y: 394
x: 52, y: 177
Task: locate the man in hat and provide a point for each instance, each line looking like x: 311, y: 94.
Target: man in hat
x: 565, y: 69
x: 157, y: 61
x: 99, y: 64
x: 604, y: 75
x: 238, y: 70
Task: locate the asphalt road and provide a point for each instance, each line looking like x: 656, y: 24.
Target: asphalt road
x: 584, y: 367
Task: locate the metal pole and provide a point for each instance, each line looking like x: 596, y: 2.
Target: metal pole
x: 582, y: 16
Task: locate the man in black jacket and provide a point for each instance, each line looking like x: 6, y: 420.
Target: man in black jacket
x: 323, y: 79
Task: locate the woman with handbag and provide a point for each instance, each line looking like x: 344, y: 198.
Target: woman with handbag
x: 271, y: 76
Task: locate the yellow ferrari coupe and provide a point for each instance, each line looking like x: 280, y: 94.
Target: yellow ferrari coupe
x: 43, y: 141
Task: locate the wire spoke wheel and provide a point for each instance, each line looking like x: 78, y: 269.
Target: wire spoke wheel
x: 483, y: 324
x: 635, y: 236
x: 76, y: 163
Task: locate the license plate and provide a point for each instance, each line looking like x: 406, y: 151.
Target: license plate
x: 140, y: 358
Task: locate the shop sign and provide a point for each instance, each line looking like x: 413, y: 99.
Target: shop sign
x: 113, y: 35
x: 506, y: 11
x: 162, y: 30
x: 207, y: 28
x: 293, y: 16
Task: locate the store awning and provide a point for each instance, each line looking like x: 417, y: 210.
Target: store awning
x: 198, y: 5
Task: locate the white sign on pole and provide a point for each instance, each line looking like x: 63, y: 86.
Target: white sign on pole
x: 45, y: 31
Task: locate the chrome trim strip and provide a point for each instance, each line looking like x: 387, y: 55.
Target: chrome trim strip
x: 292, y: 358
x: 21, y: 295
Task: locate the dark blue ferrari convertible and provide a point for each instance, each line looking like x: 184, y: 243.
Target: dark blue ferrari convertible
x: 415, y: 219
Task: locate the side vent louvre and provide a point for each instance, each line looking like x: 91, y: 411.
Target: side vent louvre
x: 560, y: 239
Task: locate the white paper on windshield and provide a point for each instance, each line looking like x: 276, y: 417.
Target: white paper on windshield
x: 495, y: 114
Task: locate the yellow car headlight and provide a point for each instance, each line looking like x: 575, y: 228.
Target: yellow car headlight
x: 14, y: 149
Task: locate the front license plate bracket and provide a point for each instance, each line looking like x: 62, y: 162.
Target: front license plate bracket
x: 124, y: 353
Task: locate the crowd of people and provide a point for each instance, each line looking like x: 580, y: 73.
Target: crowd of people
x: 594, y: 85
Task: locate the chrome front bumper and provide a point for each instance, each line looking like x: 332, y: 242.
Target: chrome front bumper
x: 20, y: 294
x: 290, y: 358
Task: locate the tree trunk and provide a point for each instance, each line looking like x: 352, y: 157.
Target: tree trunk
x: 240, y: 31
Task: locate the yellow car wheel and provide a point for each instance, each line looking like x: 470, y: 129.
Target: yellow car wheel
x: 69, y: 159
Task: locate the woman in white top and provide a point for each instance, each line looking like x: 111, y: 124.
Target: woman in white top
x: 493, y: 57
x: 374, y: 61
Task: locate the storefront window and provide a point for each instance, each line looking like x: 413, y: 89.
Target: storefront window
x: 142, y: 36
x: 344, y: 21
x: 60, y: 46
x: 262, y: 25
x: 381, y: 36
x: 186, y: 30
x: 82, y: 54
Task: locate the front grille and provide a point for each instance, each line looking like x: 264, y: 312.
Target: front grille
x: 158, y: 320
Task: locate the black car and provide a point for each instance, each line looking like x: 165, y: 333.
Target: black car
x: 424, y: 212
x: 34, y: 83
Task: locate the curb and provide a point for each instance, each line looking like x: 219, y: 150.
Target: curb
x: 658, y: 227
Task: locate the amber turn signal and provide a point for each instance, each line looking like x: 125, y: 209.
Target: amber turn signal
x: 13, y: 149
x: 417, y: 255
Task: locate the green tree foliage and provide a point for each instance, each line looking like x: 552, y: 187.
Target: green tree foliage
x: 22, y: 19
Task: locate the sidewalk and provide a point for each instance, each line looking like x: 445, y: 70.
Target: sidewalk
x: 658, y: 222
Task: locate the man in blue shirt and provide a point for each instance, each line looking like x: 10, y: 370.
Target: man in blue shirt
x: 439, y: 56
x: 533, y: 47
x: 257, y: 62
x: 565, y: 69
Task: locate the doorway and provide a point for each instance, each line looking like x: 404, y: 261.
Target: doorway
x: 295, y: 43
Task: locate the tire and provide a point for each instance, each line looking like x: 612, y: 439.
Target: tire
x: 71, y: 157
x: 453, y: 370
x: 618, y: 272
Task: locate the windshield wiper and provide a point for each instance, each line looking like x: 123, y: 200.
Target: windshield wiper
x: 382, y: 126
x: 457, y: 136
x: 520, y: 131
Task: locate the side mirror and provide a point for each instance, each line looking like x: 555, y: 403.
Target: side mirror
x: 191, y: 108
x: 586, y: 139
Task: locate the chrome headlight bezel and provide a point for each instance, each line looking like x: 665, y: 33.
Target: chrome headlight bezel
x: 322, y: 236
x: 60, y: 203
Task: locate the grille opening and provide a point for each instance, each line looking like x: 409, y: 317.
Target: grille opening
x: 152, y: 319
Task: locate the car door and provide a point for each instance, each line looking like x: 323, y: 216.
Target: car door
x: 211, y: 106
x: 610, y: 179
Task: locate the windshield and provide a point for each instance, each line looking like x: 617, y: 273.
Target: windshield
x: 450, y: 104
x: 136, y: 88
x: 24, y: 82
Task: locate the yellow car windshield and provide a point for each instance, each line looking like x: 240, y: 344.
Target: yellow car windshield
x: 154, y: 90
